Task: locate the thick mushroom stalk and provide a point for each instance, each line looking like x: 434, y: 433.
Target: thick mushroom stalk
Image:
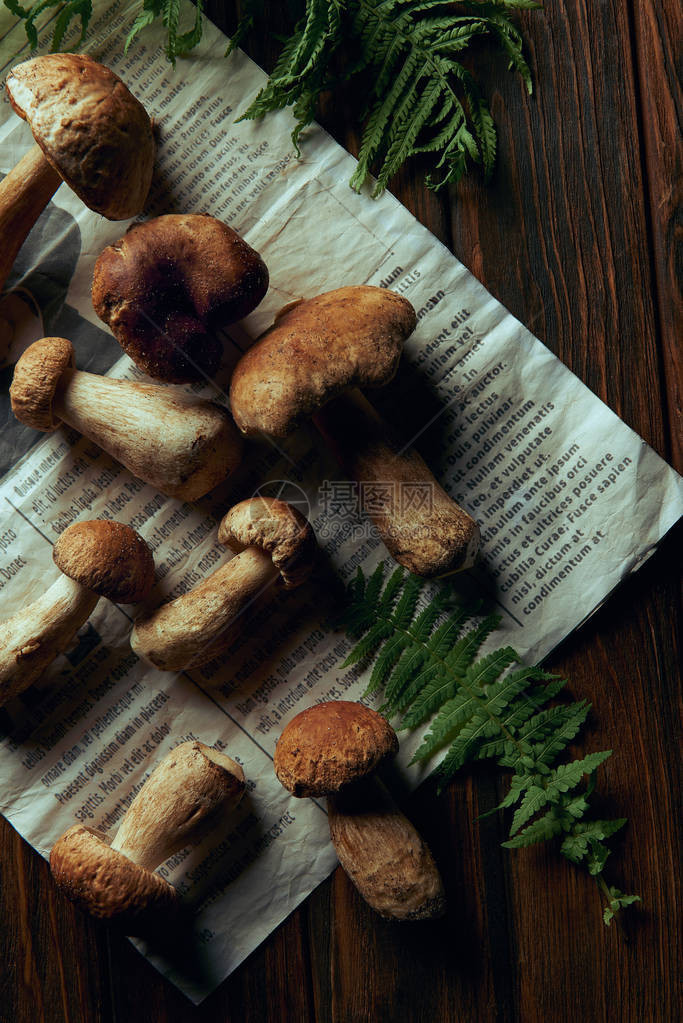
x: 274, y: 545
x: 90, y: 132
x: 310, y: 363
x: 383, y: 853
x: 333, y: 750
x: 96, y: 559
x: 169, y: 284
x: 184, y: 799
x: 184, y: 446
x: 24, y: 194
x: 422, y: 527
x: 34, y: 636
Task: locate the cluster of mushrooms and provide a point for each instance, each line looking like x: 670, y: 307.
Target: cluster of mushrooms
x: 164, y: 289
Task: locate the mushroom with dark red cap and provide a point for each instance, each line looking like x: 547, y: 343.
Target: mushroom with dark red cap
x: 184, y: 799
x: 169, y: 284
x: 312, y: 362
x: 97, y: 559
x: 90, y: 132
x: 274, y: 546
x: 334, y: 749
x: 181, y: 444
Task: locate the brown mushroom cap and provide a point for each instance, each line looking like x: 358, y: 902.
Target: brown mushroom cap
x: 92, y: 130
x: 36, y: 376
x: 331, y: 745
x: 351, y: 337
x: 107, y: 557
x: 275, y: 527
x: 163, y: 286
x: 106, y: 883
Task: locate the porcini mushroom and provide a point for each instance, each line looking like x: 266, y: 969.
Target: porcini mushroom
x: 97, y: 559
x: 274, y: 544
x: 168, y: 284
x: 311, y: 362
x: 185, y: 797
x: 182, y: 445
x: 90, y: 132
x: 333, y: 749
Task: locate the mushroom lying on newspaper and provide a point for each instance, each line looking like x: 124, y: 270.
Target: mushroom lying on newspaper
x: 184, y: 446
x: 97, y: 559
x: 168, y: 284
x: 275, y: 546
x: 185, y: 797
x: 90, y: 132
x: 334, y: 343
x: 333, y: 749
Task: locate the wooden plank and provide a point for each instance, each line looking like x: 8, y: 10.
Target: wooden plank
x: 658, y: 36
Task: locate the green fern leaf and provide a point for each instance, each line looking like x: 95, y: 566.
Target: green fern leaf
x: 440, y: 685
x: 445, y: 635
x: 368, y: 644
x: 567, y: 776
x: 464, y: 747
x: 450, y: 719
x: 540, y: 830
x: 555, y: 727
x: 429, y: 675
x: 617, y: 901
x: 406, y: 605
x: 562, y: 779
x: 584, y: 835
x: 384, y: 664
x: 409, y: 664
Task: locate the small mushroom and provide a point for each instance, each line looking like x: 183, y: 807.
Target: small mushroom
x: 90, y: 132
x: 185, y: 797
x: 97, y: 559
x: 333, y: 749
x: 167, y: 285
x: 182, y: 445
x: 274, y: 544
x: 311, y: 362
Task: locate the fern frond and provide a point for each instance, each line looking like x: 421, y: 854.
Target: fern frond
x: 481, y: 709
x: 68, y: 11
x: 420, y: 100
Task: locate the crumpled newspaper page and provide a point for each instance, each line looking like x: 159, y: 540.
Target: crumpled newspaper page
x: 569, y: 499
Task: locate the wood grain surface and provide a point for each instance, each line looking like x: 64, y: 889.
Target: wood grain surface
x: 577, y: 235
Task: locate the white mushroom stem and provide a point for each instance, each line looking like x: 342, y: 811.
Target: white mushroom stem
x: 182, y: 445
x: 179, y: 804
x: 383, y: 854
x: 32, y: 638
x: 24, y: 194
x: 423, y: 528
x: 201, y: 624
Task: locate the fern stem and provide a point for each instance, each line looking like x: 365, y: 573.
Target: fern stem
x: 606, y: 893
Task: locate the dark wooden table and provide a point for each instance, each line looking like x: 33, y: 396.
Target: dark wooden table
x: 576, y: 235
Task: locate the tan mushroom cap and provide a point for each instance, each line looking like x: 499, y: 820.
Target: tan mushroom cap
x: 351, y: 337
x: 331, y: 745
x: 107, y: 557
x: 106, y: 884
x: 36, y: 376
x: 92, y: 130
x: 275, y: 527
x: 163, y: 285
